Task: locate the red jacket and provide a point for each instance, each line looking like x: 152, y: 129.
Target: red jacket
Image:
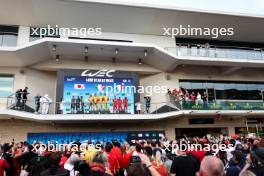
x: 3, y: 165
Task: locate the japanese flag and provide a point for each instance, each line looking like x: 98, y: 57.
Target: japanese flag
x: 79, y: 86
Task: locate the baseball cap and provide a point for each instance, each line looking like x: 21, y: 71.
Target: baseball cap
x: 238, y: 154
x: 258, y: 154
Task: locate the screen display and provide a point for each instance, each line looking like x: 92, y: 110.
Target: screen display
x: 84, y: 94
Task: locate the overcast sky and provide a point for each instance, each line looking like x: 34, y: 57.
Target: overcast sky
x: 239, y: 6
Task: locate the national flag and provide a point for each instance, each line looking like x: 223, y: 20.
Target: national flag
x: 100, y: 87
x: 79, y: 86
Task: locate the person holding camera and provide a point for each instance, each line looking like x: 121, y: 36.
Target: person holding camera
x: 255, y: 162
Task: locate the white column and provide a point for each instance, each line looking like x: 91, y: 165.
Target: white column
x: 23, y: 35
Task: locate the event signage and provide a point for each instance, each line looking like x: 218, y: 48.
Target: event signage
x: 100, y: 73
x: 98, y: 91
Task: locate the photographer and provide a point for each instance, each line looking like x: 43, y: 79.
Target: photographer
x: 147, y: 103
x: 24, y: 97
x: 255, y: 162
x: 141, y: 165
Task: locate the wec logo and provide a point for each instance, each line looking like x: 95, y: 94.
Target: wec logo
x: 100, y: 73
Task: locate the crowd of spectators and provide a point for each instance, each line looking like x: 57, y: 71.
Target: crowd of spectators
x: 183, y: 95
x: 242, y: 156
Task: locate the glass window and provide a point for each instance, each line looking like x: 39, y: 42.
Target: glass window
x: 9, y: 40
x: 226, y: 89
x: 6, y: 85
x: 197, y: 85
x: 8, y: 35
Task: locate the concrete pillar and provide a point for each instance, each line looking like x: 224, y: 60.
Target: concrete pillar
x: 231, y: 130
x: 23, y: 35
x: 170, y: 133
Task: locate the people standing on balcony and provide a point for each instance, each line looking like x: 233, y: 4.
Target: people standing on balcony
x: 37, y: 103
x: 61, y: 107
x: 198, y: 49
x: 18, y: 95
x: 24, y: 97
x: 138, y: 107
x: 100, y: 102
x: 105, y: 101
x: 45, y: 104
x: 78, y: 103
x: 199, y: 100
x: 90, y: 103
x: 193, y: 97
x: 81, y: 104
x: 119, y: 105
x: 147, y: 103
x: 189, y: 51
x: 115, y: 101
x: 207, y: 49
x: 95, y: 102
x: 187, y: 96
x: 73, y: 104
x: 125, y: 102
x: 204, y: 97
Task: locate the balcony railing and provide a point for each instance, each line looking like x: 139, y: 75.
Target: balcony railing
x: 222, y: 105
x: 155, y: 108
x: 85, y: 108
x: 217, y: 53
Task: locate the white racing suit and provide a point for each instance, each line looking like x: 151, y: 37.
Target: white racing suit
x: 45, y: 104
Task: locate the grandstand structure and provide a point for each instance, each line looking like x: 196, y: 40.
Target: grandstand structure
x: 131, y: 43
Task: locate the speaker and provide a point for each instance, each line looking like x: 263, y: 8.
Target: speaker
x: 22, y: 72
x: 167, y: 77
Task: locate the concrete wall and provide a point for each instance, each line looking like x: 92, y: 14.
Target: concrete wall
x: 18, y: 129
x: 37, y: 81
x: 149, y: 83
x: 161, y: 41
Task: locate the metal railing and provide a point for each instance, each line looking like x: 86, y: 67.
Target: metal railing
x: 85, y: 108
x: 171, y: 105
x: 217, y: 52
x: 221, y: 105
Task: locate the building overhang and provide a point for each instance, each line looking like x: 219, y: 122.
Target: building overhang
x: 38, y: 53
x: 126, y: 18
x: 34, y: 53
x: 124, y: 118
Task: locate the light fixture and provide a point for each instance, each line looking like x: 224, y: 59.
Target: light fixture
x: 116, y: 51
x: 86, y: 49
x: 86, y: 58
x: 113, y: 59
x: 139, y: 61
x: 54, y: 47
x: 145, y: 53
x: 57, y: 58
